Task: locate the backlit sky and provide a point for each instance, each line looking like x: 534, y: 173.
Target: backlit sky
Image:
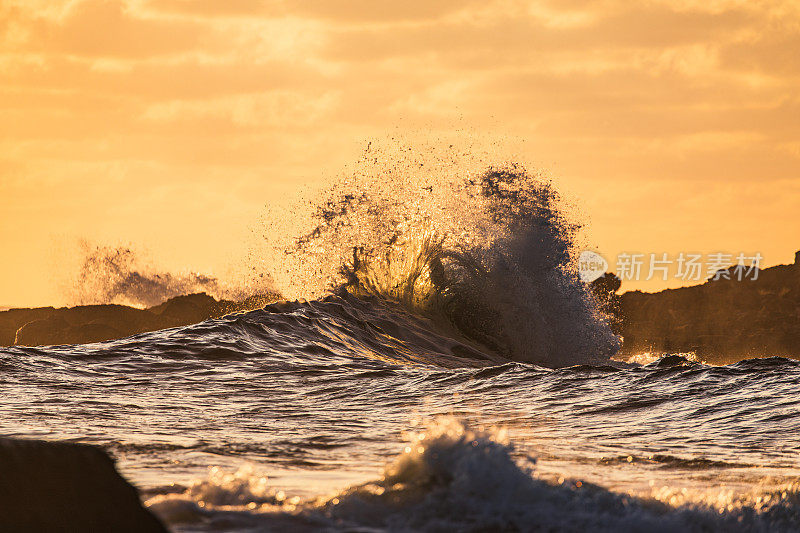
x: 170, y: 123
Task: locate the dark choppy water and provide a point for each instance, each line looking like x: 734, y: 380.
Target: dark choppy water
x: 261, y: 421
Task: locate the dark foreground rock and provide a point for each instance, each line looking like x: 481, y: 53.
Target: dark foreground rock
x: 721, y: 321
x: 56, y: 486
x: 96, y: 323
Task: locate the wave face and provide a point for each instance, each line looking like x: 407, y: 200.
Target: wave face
x: 328, y: 415
x: 489, y: 254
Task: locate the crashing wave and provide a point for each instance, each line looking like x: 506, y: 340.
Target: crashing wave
x: 489, y: 253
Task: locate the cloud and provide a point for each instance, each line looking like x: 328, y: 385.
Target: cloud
x: 213, y: 8
x: 367, y: 10
x: 651, y: 26
x: 267, y: 109
x: 775, y: 53
x: 101, y: 97
x: 348, y: 11
x: 106, y: 29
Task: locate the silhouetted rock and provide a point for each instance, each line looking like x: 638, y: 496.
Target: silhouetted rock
x: 187, y: 309
x: 42, y: 331
x: 120, y: 317
x: 95, y: 323
x: 737, y: 272
x: 92, y: 332
x: 608, y: 283
x: 672, y: 360
x: 605, y: 290
x: 56, y: 486
x: 13, y: 319
x: 723, y: 320
x: 85, y: 323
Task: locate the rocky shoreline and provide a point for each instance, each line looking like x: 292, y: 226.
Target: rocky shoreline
x: 721, y: 321
x: 95, y: 323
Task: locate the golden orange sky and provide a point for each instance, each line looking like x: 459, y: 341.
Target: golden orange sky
x: 171, y: 123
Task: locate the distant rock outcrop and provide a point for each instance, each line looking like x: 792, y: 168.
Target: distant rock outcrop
x: 605, y: 290
x: 723, y: 320
x: 96, y: 323
x: 57, y: 486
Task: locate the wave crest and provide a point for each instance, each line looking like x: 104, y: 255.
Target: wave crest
x: 489, y: 253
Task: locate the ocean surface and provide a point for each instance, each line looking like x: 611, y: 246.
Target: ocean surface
x: 438, y: 365
x: 354, y: 415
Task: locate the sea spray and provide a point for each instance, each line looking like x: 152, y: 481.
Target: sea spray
x: 488, y: 251
x: 122, y: 274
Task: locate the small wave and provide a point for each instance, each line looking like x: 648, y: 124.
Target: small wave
x: 630, y: 404
x: 671, y: 462
x: 451, y: 477
x: 326, y: 333
x: 664, y: 359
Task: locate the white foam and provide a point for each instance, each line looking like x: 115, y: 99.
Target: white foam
x: 451, y: 477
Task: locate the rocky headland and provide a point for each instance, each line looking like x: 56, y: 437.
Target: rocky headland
x: 723, y: 320
x: 95, y: 323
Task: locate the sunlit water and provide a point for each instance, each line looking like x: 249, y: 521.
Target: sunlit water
x: 347, y: 412
x: 243, y: 422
